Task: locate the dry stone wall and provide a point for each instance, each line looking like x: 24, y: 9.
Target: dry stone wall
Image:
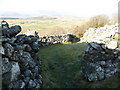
x: 19, y: 67
x: 54, y: 39
x: 102, y: 55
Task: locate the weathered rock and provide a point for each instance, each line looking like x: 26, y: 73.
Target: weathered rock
x: 20, y: 38
x: 33, y: 38
x: 6, y: 67
x: 27, y: 47
x: 2, y: 50
x: 14, y: 30
x: 27, y: 73
x: 31, y: 84
x: 25, y: 59
x: 4, y: 25
x: 12, y: 40
x: 8, y: 49
x: 5, y: 32
x: 12, y: 74
x: 26, y: 80
x: 112, y: 44
x: 95, y: 46
x: 35, y: 46
x: 18, y: 84
x: 15, y: 71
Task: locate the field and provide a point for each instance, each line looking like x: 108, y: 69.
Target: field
x: 47, y: 25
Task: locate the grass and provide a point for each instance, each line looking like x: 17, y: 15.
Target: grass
x: 61, y: 68
x: 60, y: 64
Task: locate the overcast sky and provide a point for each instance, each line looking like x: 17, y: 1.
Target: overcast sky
x: 82, y: 8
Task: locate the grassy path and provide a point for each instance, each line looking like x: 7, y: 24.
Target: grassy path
x: 60, y: 64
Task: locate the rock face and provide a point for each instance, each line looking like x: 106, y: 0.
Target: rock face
x: 102, y: 56
x: 19, y: 68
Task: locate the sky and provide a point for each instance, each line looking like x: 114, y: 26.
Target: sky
x: 81, y: 8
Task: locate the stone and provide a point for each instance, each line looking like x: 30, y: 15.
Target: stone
x: 112, y: 45
x: 8, y: 49
x: 119, y: 57
x: 22, y: 85
x: 2, y: 51
x: 116, y: 36
x: 35, y: 46
x: 20, y: 38
x: 25, y: 58
x: 26, y: 80
x: 15, y: 71
x: 14, y: 30
x: 4, y: 39
x: 37, y: 86
x: 18, y: 84
x: 33, y: 38
x: 100, y: 75
x: 4, y: 32
x: 95, y: 46
x: 32, y: 64
x: 35, y: 70
x: 4, y: 25
x: 11, y: 75
x: 92, y: 77
x: 102, y: 63
x: 27, y: 47
x: 15, y: 56
x: 6, y: 67
x: 27, y: 73
x: 31, y: 84
x: 28, y: 40
x: 39, y: 81
x: 18, y: 47
x: 12, y: 40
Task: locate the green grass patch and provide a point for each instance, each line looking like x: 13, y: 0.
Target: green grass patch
x: 60, y: 64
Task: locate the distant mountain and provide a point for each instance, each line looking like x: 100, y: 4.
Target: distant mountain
x: 12, y: 14
x: 28, y: 14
